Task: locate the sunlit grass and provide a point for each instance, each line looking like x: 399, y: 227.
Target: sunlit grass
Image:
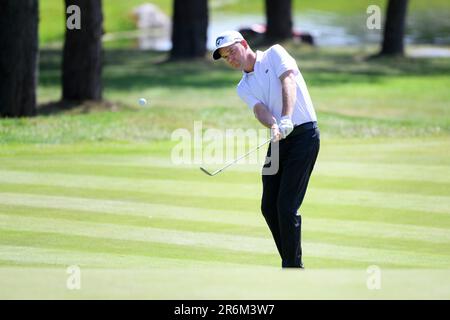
x: 354, y: 97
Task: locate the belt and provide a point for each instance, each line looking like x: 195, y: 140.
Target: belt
x: 298, y: 129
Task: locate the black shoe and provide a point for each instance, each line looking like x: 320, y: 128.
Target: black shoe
x: 301, y: 266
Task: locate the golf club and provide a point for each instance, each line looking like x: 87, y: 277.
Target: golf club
x: 234, y: 161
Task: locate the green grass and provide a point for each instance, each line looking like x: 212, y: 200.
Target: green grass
x: 119, y: 211
x: 354, y: 97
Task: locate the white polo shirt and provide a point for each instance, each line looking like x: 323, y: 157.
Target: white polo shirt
x: 263, y: 85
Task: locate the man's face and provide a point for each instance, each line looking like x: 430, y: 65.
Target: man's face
x: 234, y: 55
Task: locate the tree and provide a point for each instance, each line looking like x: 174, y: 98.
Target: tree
x: 82, y: 56
x: 189, y: 29
x: 394, y: 28
x: 279, y: 20
x: 18, y: 57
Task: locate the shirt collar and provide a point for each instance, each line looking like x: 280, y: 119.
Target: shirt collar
x: 258, y: 60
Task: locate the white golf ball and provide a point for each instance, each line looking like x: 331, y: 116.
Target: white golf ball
x: 142, y: 101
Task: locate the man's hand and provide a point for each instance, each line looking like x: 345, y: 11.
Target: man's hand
x: 275, y: 133
x: 286, y: 126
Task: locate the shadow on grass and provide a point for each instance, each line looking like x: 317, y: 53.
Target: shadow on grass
x: 133, y: 69
x: 329, y: 68
x: 78, y: 107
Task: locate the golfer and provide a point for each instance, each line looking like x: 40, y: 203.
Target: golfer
x: 273, y: 88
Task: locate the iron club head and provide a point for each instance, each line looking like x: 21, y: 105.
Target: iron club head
x: 205, y: 171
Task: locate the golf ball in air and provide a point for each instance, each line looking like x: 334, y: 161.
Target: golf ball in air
x: 142, y: 101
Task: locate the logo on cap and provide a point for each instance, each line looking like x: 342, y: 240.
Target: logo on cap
x: 219, y: 40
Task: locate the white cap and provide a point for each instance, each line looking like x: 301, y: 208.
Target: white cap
x: 226, y: 39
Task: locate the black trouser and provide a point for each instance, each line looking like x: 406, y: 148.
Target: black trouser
x: 284, y: 191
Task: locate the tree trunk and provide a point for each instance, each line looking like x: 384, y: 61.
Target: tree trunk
x: 189, y: 29
x: 279, y: 20
x: 82, y: 57
x: 394, y: 28
x: 18, y: 57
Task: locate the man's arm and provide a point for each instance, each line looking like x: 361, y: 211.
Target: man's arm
x: 289, y: 92
x: 267, y: 119
x: 289, y: 95
x: 264, y: 115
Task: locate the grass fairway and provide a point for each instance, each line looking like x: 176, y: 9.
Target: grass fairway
x: 139, y: 227
x: 99, y: 190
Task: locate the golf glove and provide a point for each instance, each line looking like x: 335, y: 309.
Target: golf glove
x: 286, y: 126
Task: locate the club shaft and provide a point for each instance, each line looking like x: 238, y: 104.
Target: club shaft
x: 243, y: 156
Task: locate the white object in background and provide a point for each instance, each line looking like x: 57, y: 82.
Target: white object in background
x: 149, y: 16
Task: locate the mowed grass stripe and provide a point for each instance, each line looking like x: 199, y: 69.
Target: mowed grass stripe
x: 416, y: 202
x: 370, y: 241
x: 377, y: 230
x: 128, y: 161
x: 247, y: 173
x: 174, y: 187
x: 25, y: 264
x: 192, y: 173
x: 412, y: 153
x: 187, y: 200
x: 369, y: 234
x: 213, y: 211
x: 324, y: 233
x: 38, y: 256
x: 255, y: 227
x: 375, y: 214
x: 120, y: 232
x: 221, y: 241
x: 380, y: 185
x: 207, y: 186
x: 120, y: 207
x: 418, y: 150
x: 120, y: 247
x: 385, y: 171
x: 34, y: 256
x: 439, y: 204
x: 156, y: 251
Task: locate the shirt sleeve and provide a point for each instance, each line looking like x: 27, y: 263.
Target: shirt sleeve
x: 282, y: 61
x: 246, y: 96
